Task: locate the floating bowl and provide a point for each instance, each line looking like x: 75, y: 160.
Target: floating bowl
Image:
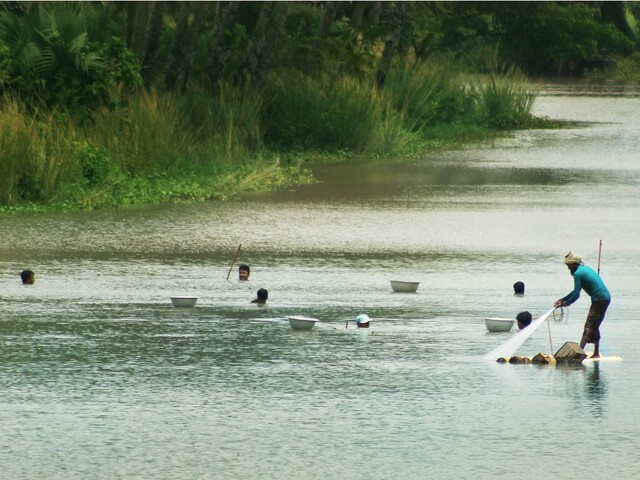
x: 299, y: 322
x: 499, y: 324
x: 182, y: 301
x: 405, y: 287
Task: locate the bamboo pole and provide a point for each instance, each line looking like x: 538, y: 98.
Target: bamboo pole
x: 599, y: 256
x: 234, y: 261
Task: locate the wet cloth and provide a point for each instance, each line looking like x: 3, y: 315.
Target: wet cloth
x: 591, y: 333
x: 586, y: 278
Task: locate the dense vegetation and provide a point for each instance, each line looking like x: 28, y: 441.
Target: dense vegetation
x: 113, y: 103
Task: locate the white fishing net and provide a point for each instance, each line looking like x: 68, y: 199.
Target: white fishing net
x: 509, y: 347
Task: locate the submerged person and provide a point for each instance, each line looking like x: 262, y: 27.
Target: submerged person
x: 518, y: 288
x: 261, y: 297
x: 585, y: 278
x: 243, y: 272
x: 28, y: 277
x: 362, y: 321
x: 524, y: 319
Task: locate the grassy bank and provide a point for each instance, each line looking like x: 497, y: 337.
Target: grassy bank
x: 213, y: 144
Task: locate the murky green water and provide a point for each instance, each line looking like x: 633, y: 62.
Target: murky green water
x: 101, y: 378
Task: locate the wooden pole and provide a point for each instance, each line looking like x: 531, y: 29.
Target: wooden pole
x: 234, y: 261
x: 599, y: 256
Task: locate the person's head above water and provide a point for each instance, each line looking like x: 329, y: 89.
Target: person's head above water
x: 243, y: 272
x: 518, y: 288
x: 261, y: 296
x: 362, y: 320
x: 28, y: 277
x: 524, y: 319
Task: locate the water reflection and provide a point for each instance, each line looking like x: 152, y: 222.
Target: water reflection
x: 596, y: 390
x: 586, y: 387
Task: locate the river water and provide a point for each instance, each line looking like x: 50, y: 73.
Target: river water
x: 101, y: 378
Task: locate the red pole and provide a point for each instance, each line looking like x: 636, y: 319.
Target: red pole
x: 599, y: 256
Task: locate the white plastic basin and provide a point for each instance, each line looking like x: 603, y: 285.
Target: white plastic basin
x: 299, y: 322
x: 405, y: 287
x: 183, y: 301
x: 499, y: 324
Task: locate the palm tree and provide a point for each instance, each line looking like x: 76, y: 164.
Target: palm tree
x: 50, y: 45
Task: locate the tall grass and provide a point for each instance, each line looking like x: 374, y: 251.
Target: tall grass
x: 36, y: 157
x: 622, y: 69
x: 150, y: 136
x: 16, y: 134
x: 391, y: 135
x: 504, y: 101
x: 427, y: 93
x: 327, y: 115
x: 227, y: 123
x: 350, y: 115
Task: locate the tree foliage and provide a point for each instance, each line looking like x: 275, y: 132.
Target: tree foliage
x: 76, y: 54
x: 50, y: 59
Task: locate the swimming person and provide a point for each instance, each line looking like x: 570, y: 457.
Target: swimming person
x: 28, y: 277
x: 518, y: 288
x: 243, y: 272
x: 362, y: 321
x: 524, y: 319
x: 585, y: 278
x: 261, y: 297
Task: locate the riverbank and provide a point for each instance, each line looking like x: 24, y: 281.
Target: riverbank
x: 159, y: 148
x: 276, y: 171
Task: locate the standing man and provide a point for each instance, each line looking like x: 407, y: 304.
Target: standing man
x: 243, y: 272
x: 586, y: 278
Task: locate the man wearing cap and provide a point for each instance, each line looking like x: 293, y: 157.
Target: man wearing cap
x: 362, y: 320
x: 586, y: 278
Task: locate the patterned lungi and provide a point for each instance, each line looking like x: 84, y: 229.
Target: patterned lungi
x: 591, y: 333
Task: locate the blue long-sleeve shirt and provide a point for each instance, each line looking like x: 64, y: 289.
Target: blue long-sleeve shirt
x: 586, y: 278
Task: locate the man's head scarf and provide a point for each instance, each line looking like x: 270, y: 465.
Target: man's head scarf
x: 573, y: 257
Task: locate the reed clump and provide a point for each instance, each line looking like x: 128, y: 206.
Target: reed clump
x: 426, y: 94
x: 503, y: 101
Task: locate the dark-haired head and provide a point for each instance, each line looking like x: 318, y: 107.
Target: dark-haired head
x: 243, y: 272
x: 28, y: 277
x: 524, y: 319
x: 518, y: 288
x: 261, y: 296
